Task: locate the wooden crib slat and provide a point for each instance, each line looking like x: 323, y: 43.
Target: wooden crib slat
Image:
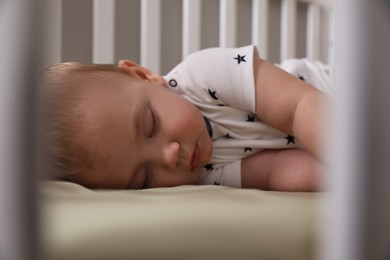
x: 260, y: 26
x: 53, y: 31
x: 103, y: 31
x: 151, y: 34
x: 313, y: 32
x: 191, y: 26
x: 227, y: 23
x: 288, y: 29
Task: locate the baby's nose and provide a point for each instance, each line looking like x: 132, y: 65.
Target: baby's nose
x: 170, y: 155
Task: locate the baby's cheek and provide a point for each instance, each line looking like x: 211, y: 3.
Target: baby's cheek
x: 174, y: 178
x: 193, y: 119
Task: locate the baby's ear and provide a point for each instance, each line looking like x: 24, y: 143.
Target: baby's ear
x: 136, y: 70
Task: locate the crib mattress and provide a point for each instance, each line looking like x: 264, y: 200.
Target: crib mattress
x: 186, y: 222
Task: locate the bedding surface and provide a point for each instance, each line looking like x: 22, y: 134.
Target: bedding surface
x: 186, y: 222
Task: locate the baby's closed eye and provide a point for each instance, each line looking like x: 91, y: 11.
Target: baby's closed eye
x: 147, y: 176
x: 150, y: 123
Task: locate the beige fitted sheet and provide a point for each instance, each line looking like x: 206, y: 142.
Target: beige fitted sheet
x: 186, y: 222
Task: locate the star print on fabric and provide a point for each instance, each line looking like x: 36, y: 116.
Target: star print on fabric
x: 216, y: 183
x: 212, y: 94
x: 301, y: 77
x: 173, y: 83
x: 209, y: 166
x: 251, y: 118
x: 240, y: 58
x: 227, y: 136
x: 290, y: 139
x: 247, y: 149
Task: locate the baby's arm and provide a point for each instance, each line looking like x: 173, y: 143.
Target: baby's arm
x: 282, y: 170
x: 290, y: 105
x: 294, y: 107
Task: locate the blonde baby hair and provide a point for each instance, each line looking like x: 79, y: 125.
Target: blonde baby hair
x: 64, y: 87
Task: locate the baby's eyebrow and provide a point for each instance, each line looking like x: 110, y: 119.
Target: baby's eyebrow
x: 134, y: 175
x: 134, y: 122
x: 130, y: 182
x: 136, y: 117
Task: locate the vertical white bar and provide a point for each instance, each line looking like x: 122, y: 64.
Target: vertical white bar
x: 52, y: 31
x: 103, y: 31
x: 191, y: 26
x: 227, y: 23
x: 17, y: 118
x: 359, y: 223
x: 332, y: 38
x: 151, y: 34
x: 288, y: 29
x: 343, y: 231
x: 313, y: 32
x: 260, y: 26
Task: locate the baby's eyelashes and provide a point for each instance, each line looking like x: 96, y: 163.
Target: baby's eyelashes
x: 148, y: 176
x: 155, y: 122
x: 150, y: 123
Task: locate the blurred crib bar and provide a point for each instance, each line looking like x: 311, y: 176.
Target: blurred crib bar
x: 288, y: 29
x: 103, y: 31
x: 260, y: 25
x: 158, y: 34
x: 191, y: 26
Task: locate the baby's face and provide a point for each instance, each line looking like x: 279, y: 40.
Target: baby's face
x: 142, y: 135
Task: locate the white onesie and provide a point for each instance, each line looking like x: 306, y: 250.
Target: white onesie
x: 220, y: 83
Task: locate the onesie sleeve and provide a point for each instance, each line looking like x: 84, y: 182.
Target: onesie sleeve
x: 224, y: 76
x: 227, y: 175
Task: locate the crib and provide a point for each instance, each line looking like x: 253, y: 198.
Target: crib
x: 159, y: 34
x: 188, y: 222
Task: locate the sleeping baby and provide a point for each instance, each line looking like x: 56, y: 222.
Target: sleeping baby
x: 221, y: 117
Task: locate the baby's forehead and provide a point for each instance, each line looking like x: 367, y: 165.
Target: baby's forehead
x: 105, y: 77
x: 102, y: 81
x: 106, y: 89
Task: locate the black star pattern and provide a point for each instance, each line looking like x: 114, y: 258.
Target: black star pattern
x: 301, y: 77
x: 290, y: 139
x: 173, y: 83
x: 251, y: 118
x: 240, y: 58
x: 209, y: 166
x: 212, y: 94
x: 216, y: 183
x: 227, y: 136
x: 247, y: 149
